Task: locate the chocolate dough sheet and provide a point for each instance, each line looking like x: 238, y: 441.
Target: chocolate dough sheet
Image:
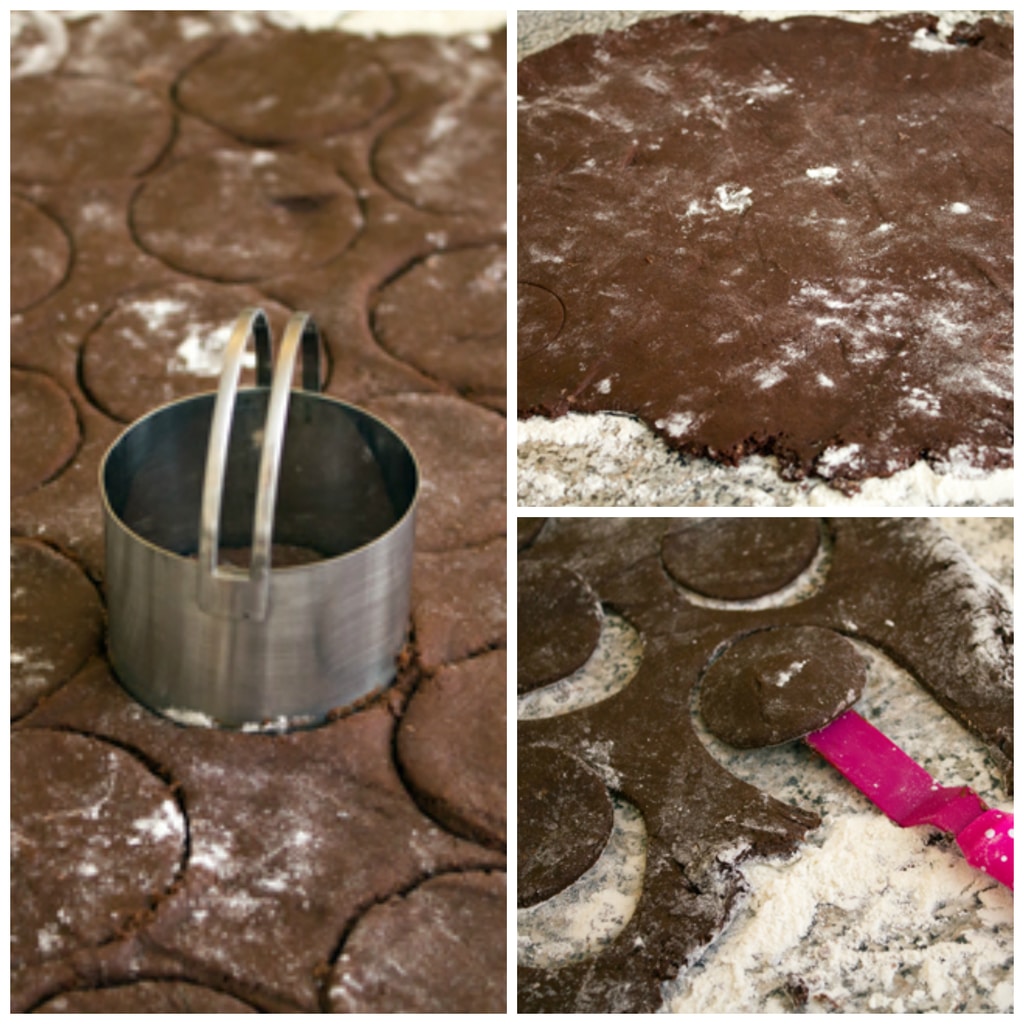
x: 790, y: 239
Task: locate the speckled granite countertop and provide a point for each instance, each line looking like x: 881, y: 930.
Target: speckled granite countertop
x: 610, y: 459
x: 868, y: 917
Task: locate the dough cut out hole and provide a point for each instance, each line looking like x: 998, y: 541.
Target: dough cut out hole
x: 608, y: 670
x: 589, y: 914
x: 800, y: 589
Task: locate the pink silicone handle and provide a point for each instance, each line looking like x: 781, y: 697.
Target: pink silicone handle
x: 988, y: 844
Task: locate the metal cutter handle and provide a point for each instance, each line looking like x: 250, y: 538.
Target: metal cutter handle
x: 222, y: 590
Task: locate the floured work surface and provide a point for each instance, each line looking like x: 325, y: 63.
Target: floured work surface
x: 790, y: 239
x: 759, y: 879
x: 171, y: 169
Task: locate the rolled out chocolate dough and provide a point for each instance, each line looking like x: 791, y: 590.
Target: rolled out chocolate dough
x: 790, y: 238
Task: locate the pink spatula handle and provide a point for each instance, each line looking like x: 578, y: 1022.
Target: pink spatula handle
x: 988, y: 845
x: 900, y: 787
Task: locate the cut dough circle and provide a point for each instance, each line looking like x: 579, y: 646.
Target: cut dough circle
x: 733, y: 559
x: 564, y: 819
x: 559, y: 624
x: 290, y: 213
x: 438, y: 949
x: 45, y: 423
x: 462, y: 341
x: 442, y: 158
x: 777, y: 685
x: 250, y: 88
x: 40, y: 254
x: 146, y: 997
x: 113, y: 836
x: 451, y: 747
x: 56, y: 622
x: 83, y: 128
x: 162, y: 344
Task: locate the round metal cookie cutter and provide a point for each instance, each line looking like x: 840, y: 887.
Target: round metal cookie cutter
x: 262, y: 472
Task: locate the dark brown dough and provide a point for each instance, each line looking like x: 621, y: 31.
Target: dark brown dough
x: 111, y: 832
x: 559, y: 624
x: 791, y: 238
x: 432, y: 950
x: 56, y: 622
x: 457, y: 445
x: 249, y: 86
x: 901, y: 585
x: 448, y: 158
x: 778, y: 685
x: 563, y: 820
x: 288, y: 212
x: 734, y: 559
x: 458, y: 603
x: 146, y: 997
x: 291, y: 838
x: 40, y: 254
x: 541, y: 315
x: 44, y: 429
x: 461, y: 341
x: 527, y: 528
x: 84, y: 128
x: 161, y: 344
x: 451, y: 747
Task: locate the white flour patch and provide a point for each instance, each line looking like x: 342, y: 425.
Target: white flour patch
x: 201, y: 353
x: 781, y: 678
x: 833, y: 459
x: 826, y: 174
x: 733, y: 198
x: 678, y: 424
x: 769, y: 377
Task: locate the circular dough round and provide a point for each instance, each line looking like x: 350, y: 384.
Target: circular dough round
x: 451, y: 747
x: 146, y: 997
x: 437, y: 949
x: 288, y: 211
x: 461, y: 341
x: 108, y: 830
x: 302, y: 85
x: 460, y: 451
x: 559, y: 624
x: 44, y: 430
x: 165, y: 343
x: 56, y: 622
x: 40, y: 254
x: 733, y: 559
x: 84, y: 128
x: 777, y: 685
x: 564, y: 819
x: 448, y: 158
